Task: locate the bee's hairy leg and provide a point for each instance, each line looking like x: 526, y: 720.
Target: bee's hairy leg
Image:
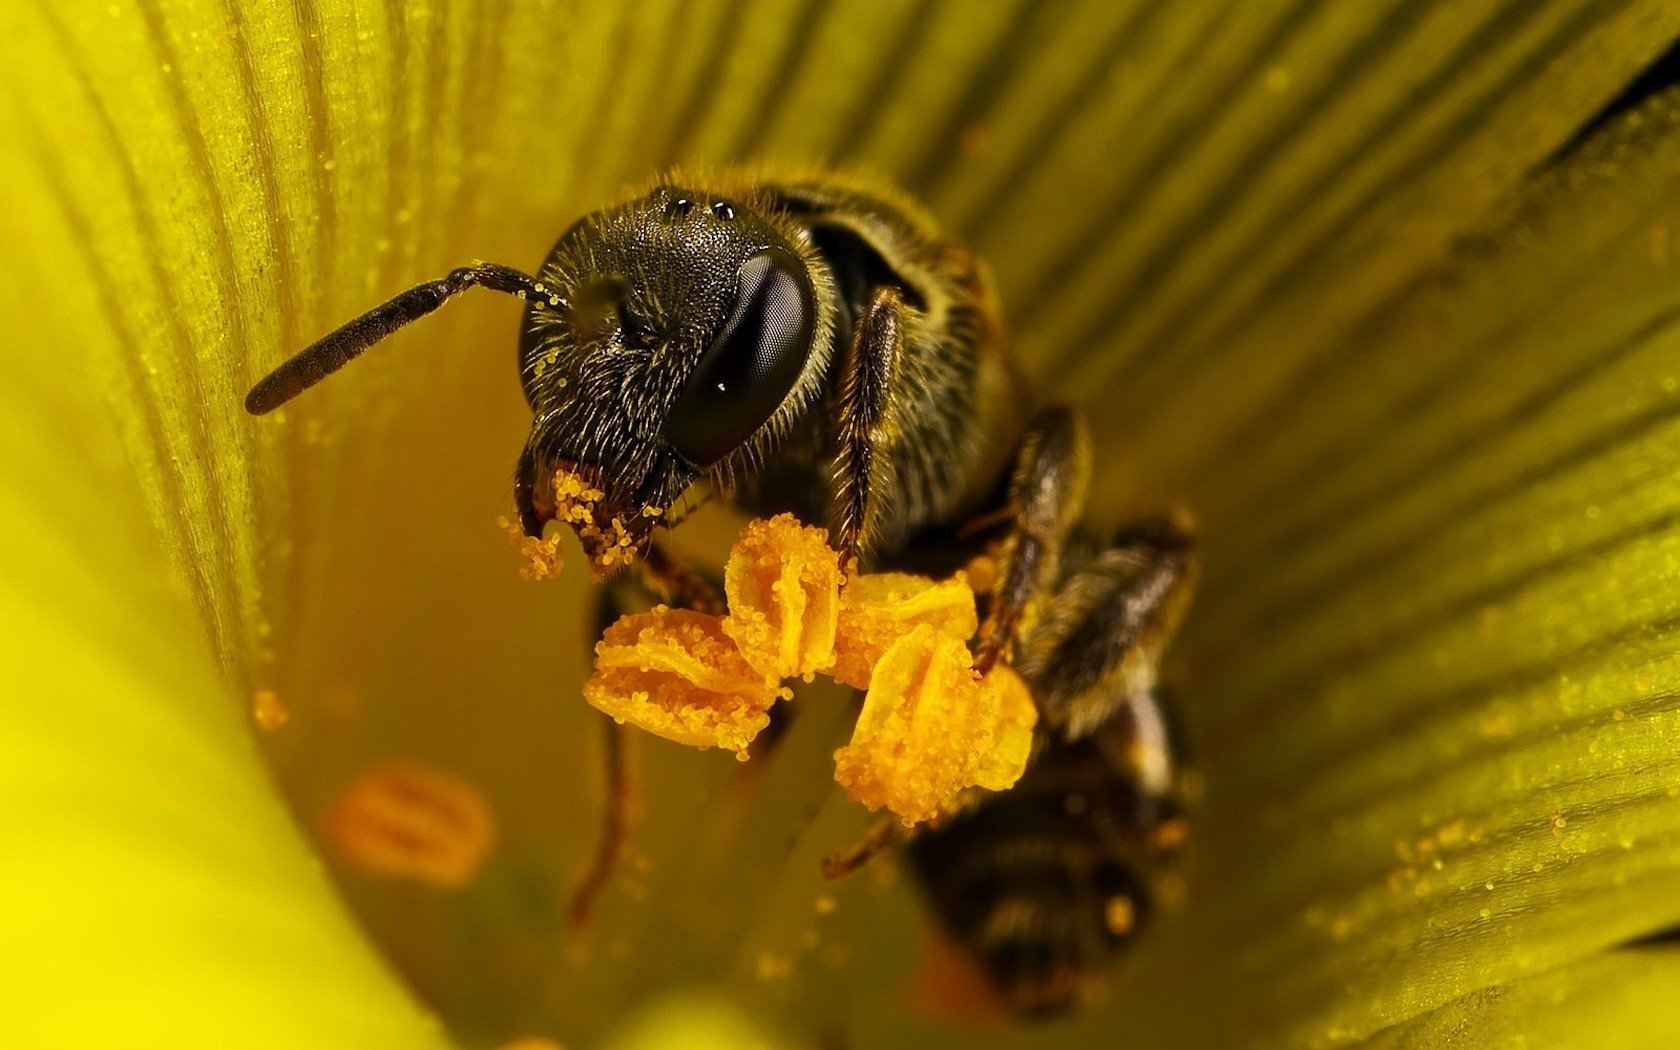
x: 1095, y: 651
x: 1045, y: 495
x: 860, y: 409
x: 882, y: 835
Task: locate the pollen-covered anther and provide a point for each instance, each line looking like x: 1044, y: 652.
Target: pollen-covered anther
x: 929, y: 730
x: 677, y: 675
x: 878, y: 609
x: 403, y: 820
x: 783, y: 585
x: 1006, y: 698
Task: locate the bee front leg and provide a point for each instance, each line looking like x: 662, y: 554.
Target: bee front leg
x: 1046, y: 494
x: 860, y: 409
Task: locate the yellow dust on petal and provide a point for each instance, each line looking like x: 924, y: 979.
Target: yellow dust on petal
x: 676, y: 674
x: 541, y: 553
x: 923, y: 730
x: 1005, y: 759
x: 878, y: 609
x: 783, y: 585
x: 268, y: 711
x: 403, y: 820
x: 532, y: 1043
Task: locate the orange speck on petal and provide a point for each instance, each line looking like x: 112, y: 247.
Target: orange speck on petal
x: 268, y: 711
x: 404, y: 820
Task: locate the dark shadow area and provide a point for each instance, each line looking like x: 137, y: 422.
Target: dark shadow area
x: 1668, y: 938
x: 1659, y: 76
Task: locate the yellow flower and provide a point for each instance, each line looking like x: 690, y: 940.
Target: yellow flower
x: 1367, y: 286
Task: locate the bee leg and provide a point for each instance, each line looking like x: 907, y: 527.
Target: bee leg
x: 865, y: 380
x: 616, y: 818
x: 618, y: 810
x: 678, y: 584
x: 670, y: 580
x: 884, y: 834
x: 1095, y: 651
x: 1046, y: 493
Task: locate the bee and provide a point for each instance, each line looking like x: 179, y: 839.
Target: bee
x: 813, y: 344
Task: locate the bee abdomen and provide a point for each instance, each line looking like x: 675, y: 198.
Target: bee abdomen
x: 1036, y: 883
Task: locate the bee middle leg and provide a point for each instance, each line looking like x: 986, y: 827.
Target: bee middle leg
x: 666, y: 578
x: 1045, y: 496
x: 1091, y: 660
x: 1095, y: 651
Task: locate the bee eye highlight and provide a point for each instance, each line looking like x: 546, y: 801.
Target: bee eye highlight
x: 744, y: 376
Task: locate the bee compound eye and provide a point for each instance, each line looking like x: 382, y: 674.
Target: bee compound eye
x: 749, y: 370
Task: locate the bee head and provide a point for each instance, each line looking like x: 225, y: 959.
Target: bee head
x: 696, y: 331
x: 667, y: 340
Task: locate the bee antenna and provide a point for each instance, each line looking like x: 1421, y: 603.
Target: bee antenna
x: 337, y: 349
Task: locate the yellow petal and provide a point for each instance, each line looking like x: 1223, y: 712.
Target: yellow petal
x: 151, y: 869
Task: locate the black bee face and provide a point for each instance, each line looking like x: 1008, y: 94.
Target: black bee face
x: 696, y: 331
